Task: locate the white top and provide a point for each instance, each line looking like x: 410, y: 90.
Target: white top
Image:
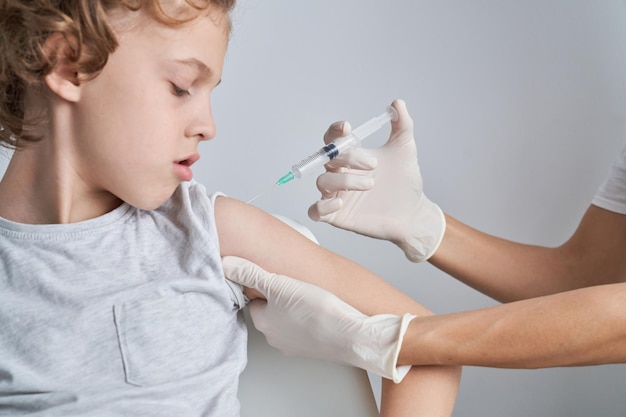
x: 612, y: 193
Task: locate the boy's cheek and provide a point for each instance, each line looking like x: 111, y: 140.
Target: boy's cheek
x: 252, y: 294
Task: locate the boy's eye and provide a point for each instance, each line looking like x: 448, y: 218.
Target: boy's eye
x: 180, y: 92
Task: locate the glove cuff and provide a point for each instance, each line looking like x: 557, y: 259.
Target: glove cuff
x: 429, y: 226
x: 399, y: 372
x: 379, y: 350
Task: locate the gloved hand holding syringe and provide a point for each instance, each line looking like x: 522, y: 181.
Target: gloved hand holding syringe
x: 337, y: 147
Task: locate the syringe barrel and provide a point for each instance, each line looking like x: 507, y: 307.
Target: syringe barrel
x: 338, y: 146
x: 312, y: 161
x: 327, y: 153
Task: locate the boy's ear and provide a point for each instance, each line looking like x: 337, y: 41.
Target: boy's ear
x: 63, y: 79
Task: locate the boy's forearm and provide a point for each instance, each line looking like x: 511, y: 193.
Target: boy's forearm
x: 428, y: 391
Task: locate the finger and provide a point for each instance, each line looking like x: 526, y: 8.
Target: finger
x: 257, y: 309
x: 261, y: 315
x: 323, y: 209
x: 330, y: 183
x: 337, y: 130
x: 356, y: 158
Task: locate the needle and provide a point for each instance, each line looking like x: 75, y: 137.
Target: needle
x: 260, y: 194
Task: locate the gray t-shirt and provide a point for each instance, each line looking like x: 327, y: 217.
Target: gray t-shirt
x: 128, y: 314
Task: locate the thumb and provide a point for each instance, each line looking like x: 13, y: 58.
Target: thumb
x: 337, y: 130
x: 247, y: 273
x: 274, y: 287
x: 401, y: 129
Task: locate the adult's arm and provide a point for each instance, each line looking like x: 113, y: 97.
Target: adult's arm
x: 508, y: 271
x: 378, y: 193
x: 579, y: 327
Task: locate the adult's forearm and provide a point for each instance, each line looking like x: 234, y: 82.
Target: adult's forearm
x: 510, y: 271
x: 499, y: 268
x: 581, y: 327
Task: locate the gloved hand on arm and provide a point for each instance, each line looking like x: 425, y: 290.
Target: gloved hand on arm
x: 304, y: 320
x: 379, y: 192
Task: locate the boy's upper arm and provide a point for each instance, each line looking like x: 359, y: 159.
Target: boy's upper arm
x: 250, y: 233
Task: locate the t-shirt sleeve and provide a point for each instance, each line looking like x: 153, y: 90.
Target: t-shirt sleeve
x: 612, y: 192
x: 237, y: 289
x: 202, y: 205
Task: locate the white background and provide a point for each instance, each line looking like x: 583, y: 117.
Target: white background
x: 519, y: 107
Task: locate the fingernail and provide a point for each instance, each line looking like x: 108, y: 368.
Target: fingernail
x: 344, y: 127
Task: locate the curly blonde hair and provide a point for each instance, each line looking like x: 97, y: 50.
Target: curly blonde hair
x: 25, y: 25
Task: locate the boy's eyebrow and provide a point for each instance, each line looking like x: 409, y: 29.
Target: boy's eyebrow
x: 200, y: 66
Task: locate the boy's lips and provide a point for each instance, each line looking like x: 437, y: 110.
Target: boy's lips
x: 182, y: 167
x: 189, y: 160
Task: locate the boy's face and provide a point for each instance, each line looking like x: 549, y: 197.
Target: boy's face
x: 139, y: 122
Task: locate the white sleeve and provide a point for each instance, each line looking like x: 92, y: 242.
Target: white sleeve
x: 612, y: 193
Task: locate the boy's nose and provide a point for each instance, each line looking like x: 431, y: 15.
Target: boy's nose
x: 208, y: 130
x: 202, y: 124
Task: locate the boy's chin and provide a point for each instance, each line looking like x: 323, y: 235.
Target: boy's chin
x: 152, y: 202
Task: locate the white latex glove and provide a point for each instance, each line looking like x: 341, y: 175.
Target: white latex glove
x: 379, y: 192
x: 301, y: 319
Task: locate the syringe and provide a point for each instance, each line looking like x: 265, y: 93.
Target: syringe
x: 338, y: 146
